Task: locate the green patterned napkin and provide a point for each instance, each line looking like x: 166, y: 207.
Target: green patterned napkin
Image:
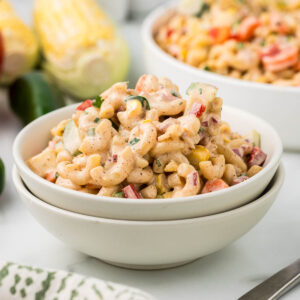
x: 22, y: 282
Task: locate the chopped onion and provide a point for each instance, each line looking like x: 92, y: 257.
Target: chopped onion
x: 195, y: 178
x: 204, y: 123
x: 239, y: 179
x: 215, y: 120
x: 238, y: 151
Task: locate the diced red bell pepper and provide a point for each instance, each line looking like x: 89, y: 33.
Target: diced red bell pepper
x: 50, y: 176
x: 297, y: 66
x: 269, y: 51
x: 247, y: 28
x: 219, y: 34
x: 84, y: 105
x: 234, y: 36
x: 198, y: 109
x: 285, y: 58
x: 239, y: 179
x: 214, y: 185
x: 257, y: 157
x: 169, y: 32
x: 130, y: 192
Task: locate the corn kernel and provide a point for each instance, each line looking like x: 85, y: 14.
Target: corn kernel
x: 94, y: 160
x: 134, y: 108
x: 261, y: 79
x: 82, y: 148
x: 171, y: 167
x: 232, y: 10
x: 226, y: 139
x: 162, y: 185
x: 107, y: 112
x: 197, y: 155
x: 265, y: 18
x: 271, y: 39
x: 146, y: 121
x: 254, y: 170
x: 225, y: 128
x: 167, y: 195
x: 58, y: 130
x: 184, y: 53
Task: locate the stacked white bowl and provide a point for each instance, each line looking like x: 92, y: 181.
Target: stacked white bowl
x: 147, y: 233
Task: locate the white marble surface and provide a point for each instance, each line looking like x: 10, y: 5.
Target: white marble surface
x: 225, y: 275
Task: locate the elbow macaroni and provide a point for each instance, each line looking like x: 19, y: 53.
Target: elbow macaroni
x: 149, y: 140
x: 251, y: 39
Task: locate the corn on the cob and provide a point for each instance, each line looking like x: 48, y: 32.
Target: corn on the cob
x: 19, y: 48
x: 84, y: 52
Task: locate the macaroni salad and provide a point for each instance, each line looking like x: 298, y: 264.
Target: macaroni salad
x: 149, y: 142
x: 251, y: 39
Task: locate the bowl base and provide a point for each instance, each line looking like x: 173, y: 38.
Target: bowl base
x: 149, y: 267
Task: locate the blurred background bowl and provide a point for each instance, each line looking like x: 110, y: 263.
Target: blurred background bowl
x: 35, y: 136
x: 149, y: 245
x: 278, y: 105
x: 117, y: 9
x: 142, y: 7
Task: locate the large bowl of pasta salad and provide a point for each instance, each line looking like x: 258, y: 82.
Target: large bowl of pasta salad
x: 249, y: 49
x: 148, y: 153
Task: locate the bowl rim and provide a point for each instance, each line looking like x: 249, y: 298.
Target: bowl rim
x: 147, y: 37
x: 273, y: 188
x: 275, y: 159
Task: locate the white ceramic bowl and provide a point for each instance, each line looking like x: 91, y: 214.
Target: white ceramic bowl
x: 278, y: 105
x: 34, y: 137
x: 152, y: 244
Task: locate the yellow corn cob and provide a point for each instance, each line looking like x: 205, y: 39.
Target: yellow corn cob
x: 19, y: 45
x: 83, y: 50
x: 65, y: 24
